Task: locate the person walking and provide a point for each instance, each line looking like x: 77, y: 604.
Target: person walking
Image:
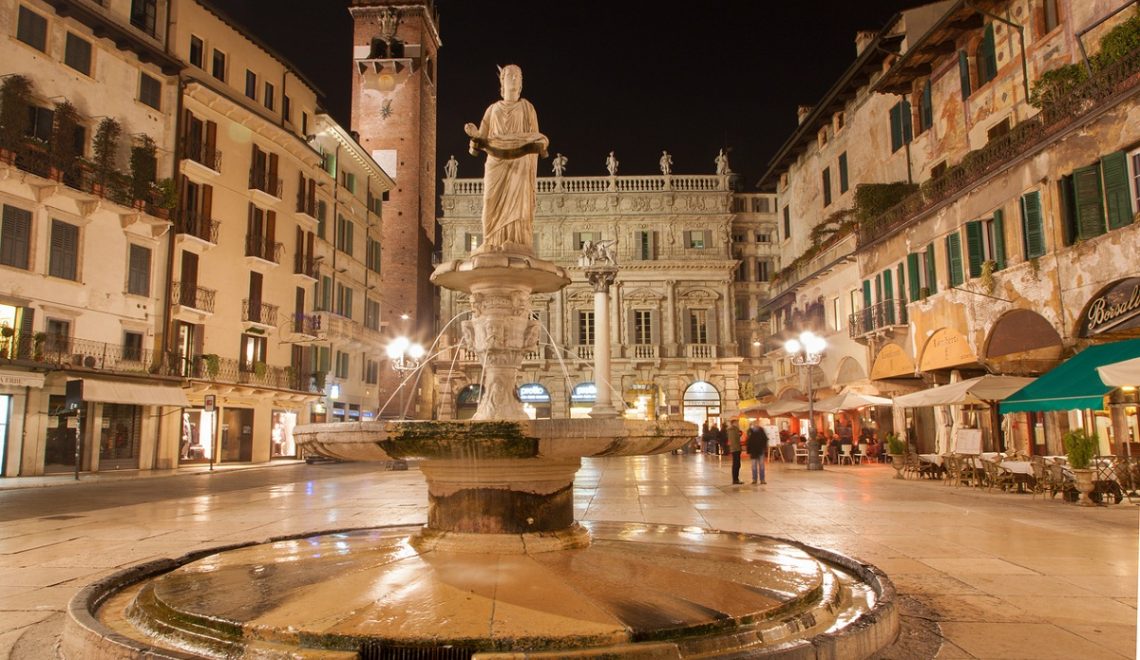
x: 757, y: 444
x: 734, y: 449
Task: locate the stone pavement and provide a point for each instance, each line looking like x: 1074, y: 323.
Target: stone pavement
x: 980, y: 574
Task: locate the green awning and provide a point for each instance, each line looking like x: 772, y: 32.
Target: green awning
x: 1074, y: 384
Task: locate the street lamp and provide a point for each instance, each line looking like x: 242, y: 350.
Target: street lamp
x: 807, y: 351
x: 405, y: 357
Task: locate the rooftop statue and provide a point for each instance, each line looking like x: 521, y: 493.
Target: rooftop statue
x: 509, y: 136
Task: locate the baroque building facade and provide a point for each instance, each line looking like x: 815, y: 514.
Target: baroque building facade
x: 674, y: 307
x: 960, y: 203
x: 207, y: 265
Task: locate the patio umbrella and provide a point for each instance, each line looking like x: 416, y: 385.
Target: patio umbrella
x: 1121, y: 374
x: 985, y: 390
x: 850, y: 401
x: 786, y: 407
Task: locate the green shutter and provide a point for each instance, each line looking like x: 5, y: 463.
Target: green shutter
x: 1114, y: 169
x: 1031, y: 227
x: 900, y: 277
x: 888, y: 296
x: 1090, y: 210
x: 927, y: 108
x: 974, y: 248
x: 912, y: 272
x: 931, y: 271
x: 954, y: 258
x: 964, y: 73
x: 843, y: 185
x: 896, y: 127
x: 987, y: 57
x: 999, y: 239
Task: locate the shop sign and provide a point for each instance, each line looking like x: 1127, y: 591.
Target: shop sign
x: 533, y: 393
x: 946, y: 348
x: 584, y: 393
x: 16, y: 379
x: 892, y: 362
x: 1117, y: 307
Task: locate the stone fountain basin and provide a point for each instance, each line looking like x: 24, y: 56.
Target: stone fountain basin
x: 489, y: 440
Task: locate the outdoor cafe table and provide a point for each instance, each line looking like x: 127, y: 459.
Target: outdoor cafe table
x: 1022, y: 473
x: 936, y: 459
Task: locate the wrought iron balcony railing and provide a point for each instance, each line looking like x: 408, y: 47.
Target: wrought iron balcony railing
x: 263, y: 248
x: 197, y: 224
x: 260, y: 313
x: 189, y: 294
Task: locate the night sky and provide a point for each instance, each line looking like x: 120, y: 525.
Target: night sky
x: 632, y: 76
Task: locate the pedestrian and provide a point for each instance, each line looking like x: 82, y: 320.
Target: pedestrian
x: 734, y: 448
x: 757, y: 444
x: 721, y: 440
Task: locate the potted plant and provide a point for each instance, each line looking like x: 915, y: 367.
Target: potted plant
x: 164, y: 195
x: 15, y: 99
x: 896, y: 448
x: 64, y: 150
x: 144, y: 169
x: 259, y: 369
x: 1080, y: 448
x: 212, y: 364
x: 38, y: 340
x: 104, y: 149
x: 6, y: 334
x: 319, y: 380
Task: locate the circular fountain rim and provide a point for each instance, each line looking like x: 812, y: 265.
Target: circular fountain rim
x: 873, y: 629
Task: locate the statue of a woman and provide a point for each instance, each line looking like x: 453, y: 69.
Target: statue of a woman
x: 509, y: 136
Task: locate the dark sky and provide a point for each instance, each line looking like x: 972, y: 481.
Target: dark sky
x: 633, y: 76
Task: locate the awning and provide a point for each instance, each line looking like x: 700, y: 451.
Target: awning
x: 981, y: 390
x: 145, y: 394
x: 1121, y: 374
x: 850, y: 401
x: 1075, y: 383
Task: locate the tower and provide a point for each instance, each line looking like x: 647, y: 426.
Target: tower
x: 394, y: 113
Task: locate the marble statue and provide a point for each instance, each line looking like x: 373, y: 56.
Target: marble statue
x: 666, y: 163
x: 596, y: 253
x: 451, y: 169
x: 611, y: 164
x: 722, y: 163
x: 509, y: 135
x: 559, y: 164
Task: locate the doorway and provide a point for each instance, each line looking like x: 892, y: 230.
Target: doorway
x: 237, y: 435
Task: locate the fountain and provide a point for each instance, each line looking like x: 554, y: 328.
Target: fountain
x: 501, y: 569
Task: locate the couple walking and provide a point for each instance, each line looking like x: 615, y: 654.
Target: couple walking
x: 757, y: 445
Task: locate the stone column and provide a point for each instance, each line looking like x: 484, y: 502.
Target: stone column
x: 601, y: 278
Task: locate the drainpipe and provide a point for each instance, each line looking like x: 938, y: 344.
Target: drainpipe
x: 1020, y: 37
x: 176, y: 175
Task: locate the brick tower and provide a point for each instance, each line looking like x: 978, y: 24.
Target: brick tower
x: 394, y: 113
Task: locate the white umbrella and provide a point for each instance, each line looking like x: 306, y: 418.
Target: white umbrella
x: 982, y: 390
x: 786, y: 407
x: 850, y: 401
x: 1121, y: 374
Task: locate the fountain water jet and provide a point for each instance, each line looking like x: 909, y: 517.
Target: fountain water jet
x: 501, y: 569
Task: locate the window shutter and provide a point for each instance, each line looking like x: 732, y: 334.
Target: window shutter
x: 999, y: 239
x: 688, y: 238
x: 913, y: 279
x: 888, y: 295
x: 954, y: 258
x: 866, y: 294
x: 896, y: 127
x: 974, y: 248
x: 630, y: 328
x: 1031, y: 227
x: 273, y: 176
x: 987, y: 61
x: 843, y: 184
x: 64, y: 250
x: 708, y: 239
x: 14, y: 237
x: 687, y: 330
x: 577, y: 240
x: 964, y: 73
x: 1114, y: 168
x: 900, y: 277
x: 931, y: 270
x: 655, y: 327
x: 1090, y: 211
x: 138, y: 276
x: 211, y: 143
x: 270, y: 228
x: 927, y: 108
x: 653, y: 245
x: 207, y: 204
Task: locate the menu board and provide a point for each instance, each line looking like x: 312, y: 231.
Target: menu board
x: 968, y: 441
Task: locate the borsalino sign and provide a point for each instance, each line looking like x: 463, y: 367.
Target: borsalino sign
x: 1115, y: 308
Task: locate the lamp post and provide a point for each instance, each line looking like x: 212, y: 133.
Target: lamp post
x: 405, y: 357
x: 807, y: 351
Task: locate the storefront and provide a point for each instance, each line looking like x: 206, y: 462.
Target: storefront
x: 642, y: 401
x: 198, y: 436
x: 701, y: 403
x: 120, y: 435
x: 16, y: 387
x: 535, y: 399
x: 582, y: 399
x: 282, y: 444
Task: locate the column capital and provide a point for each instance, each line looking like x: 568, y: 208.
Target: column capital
x: 601, y: 278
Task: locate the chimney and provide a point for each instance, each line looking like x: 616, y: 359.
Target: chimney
x: 862, y: 38
x: 801, y: 112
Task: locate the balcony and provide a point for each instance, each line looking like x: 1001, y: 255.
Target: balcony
x: 261, y: 314
x: 306, y: 266
x: 643, y: 351
x: 880, y: 318
x: 210, y: 158
x: 263, y: 248
x: 700, y: 351
x: 1088, y: 99
x: 192, y: 296
x: 73, y: 353
x: 195, y: 224
x: 306, y: 204
x: 307, y: 324
x: 226, y: 370
x: 262, y: 182
x: 584, y: 351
